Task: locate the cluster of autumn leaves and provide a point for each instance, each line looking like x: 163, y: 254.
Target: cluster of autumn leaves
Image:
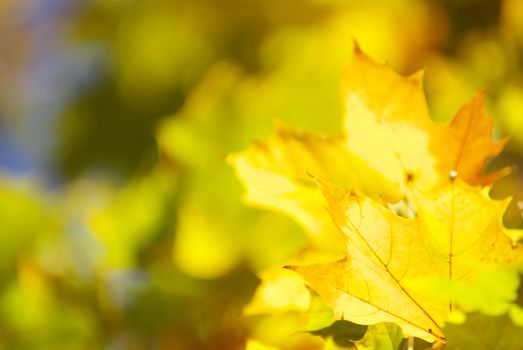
x: 396, y: 205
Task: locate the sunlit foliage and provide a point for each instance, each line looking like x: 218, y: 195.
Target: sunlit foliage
x: 123, y: 224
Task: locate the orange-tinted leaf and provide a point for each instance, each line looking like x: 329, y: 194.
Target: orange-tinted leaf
x: 467, y: 144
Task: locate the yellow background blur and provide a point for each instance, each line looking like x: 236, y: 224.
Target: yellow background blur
x: 121, y: 225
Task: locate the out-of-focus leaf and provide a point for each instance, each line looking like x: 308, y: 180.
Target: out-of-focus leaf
x: 280, y: 291
x: 25, y: 216
x: 254, y: 345
x: 382, y: 336
x: 134, y: 218
x: 280, y: 330
x: 30, y: 306
x: 211, y: 235
x: 276, y: 177
x: 282, y: 298
x: 202, y: 245
x: 509, y: 107
x: 343, y: 333
x: 294, y: 342
x: 492, y: 292
x: 484, y: 332
x: 320, y: 314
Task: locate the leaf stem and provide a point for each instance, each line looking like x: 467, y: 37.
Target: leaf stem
x: 410, y: 343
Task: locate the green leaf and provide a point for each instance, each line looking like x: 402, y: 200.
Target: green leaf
x: 481, y: 332
x: 320, y: 314
x: 382, y: 336
x: 343, y: 332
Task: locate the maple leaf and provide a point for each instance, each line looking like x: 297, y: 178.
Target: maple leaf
x: 468, y: 144
x: 276, y: 174
x: 389, y: 146
x: 390, y: 151
x: 387, y: 123
x: 457, y: 229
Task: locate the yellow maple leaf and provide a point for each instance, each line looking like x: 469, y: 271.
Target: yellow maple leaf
x: 387, y: 124
x: 457, y: 229
x: 277, y: 174
x: 391, y: 156
x: 389, y: 148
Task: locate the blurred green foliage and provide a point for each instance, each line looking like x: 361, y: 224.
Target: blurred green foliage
x: 137, y: 238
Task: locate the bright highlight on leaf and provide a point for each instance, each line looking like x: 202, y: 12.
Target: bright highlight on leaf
x: 392, y: 201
